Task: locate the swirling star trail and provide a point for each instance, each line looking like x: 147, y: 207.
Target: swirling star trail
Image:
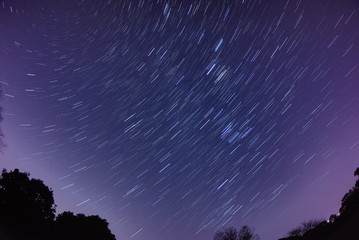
x: 173, y: 119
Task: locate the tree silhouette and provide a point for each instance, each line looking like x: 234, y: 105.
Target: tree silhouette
x: 81, y: 227
x: 356, y: 173
x: 30, y: 198
x: 227, y: 234
x: 27, y: 212
x: 350, y: 201
x: 25, y: 203
x: 303, y: 228
x: 245, y: 233
x: 343, y: 225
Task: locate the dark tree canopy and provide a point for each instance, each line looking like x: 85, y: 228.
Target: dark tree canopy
x: 350, y: 201
x: 343, y: 225
x: 23, y: 199
x: 26, y: 206
x: 226, y: 234
x: 245, y: 233
x: 27, y: 212
x: 356, y: 173
x: 303, y: 228
x: 81, y: 227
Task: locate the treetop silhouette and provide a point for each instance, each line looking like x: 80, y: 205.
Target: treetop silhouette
x: 24, y: 199
x: 344, y: 225
x: 27, y: 212
x: 81, y: 227
x: 245, y: 233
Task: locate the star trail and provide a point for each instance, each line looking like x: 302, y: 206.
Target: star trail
x: 173, y: 119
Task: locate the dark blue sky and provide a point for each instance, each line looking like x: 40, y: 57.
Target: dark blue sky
x: 172, y: 119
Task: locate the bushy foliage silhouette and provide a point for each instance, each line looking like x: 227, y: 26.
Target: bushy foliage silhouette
x: 26, y: 204
x: 226, y: 234
x: 344, y: 225
x: 303, y: 228
x: 245, y: 233
x: 350, y: 201
x: 27, y: 212
x: 81, y: 227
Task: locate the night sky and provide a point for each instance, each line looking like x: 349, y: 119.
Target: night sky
x: 173, y: 119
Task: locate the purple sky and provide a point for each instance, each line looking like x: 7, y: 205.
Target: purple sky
x: 173, y: 119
